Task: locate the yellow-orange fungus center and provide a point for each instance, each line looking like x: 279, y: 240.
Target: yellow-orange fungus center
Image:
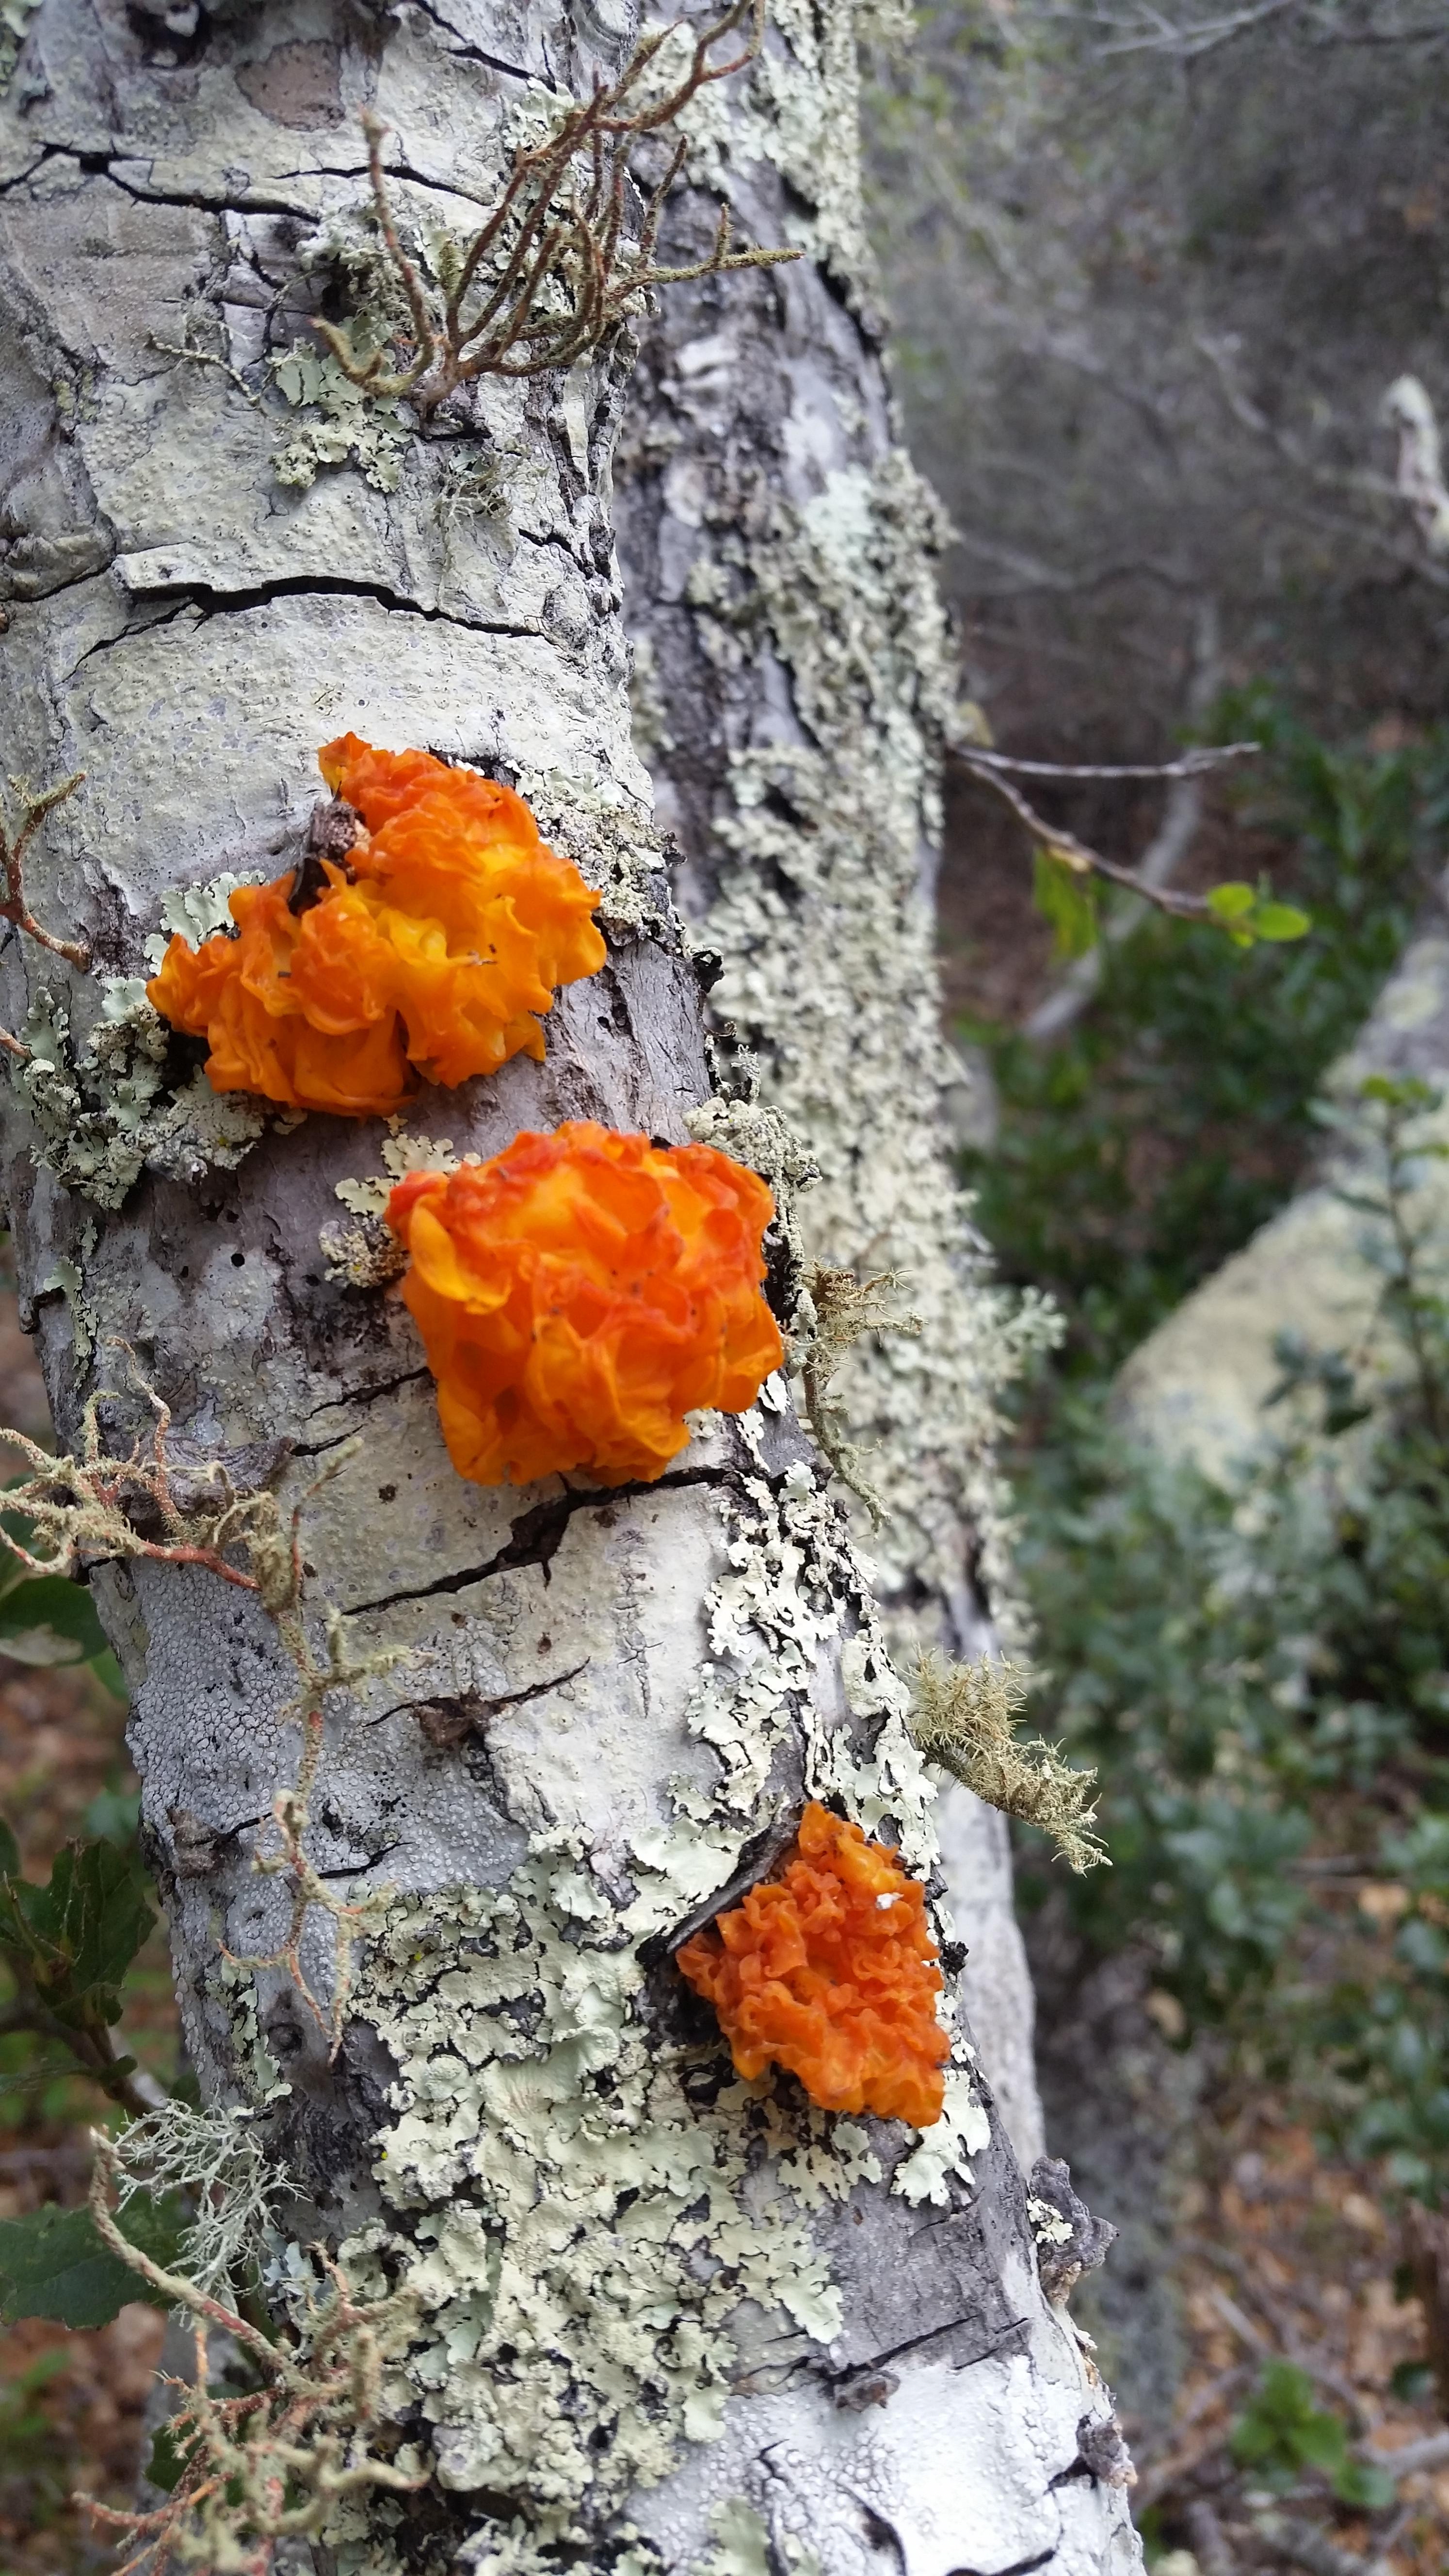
x: 831, y: 1972
x: 429, y: 947
x: 582, y: 1292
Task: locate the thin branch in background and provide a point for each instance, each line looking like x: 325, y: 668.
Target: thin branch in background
x: 552, y: 262
x: 1193, y: 764
x: 1075, y: 854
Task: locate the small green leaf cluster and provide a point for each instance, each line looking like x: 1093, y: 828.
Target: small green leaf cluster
x: 1283, y: 2431
x: 1148, y: 1142
x: 1249, y: 912
x: 66, y: 1945
x: 1066, y: 896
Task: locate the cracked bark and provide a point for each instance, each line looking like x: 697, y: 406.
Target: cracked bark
x: 655, y: 2301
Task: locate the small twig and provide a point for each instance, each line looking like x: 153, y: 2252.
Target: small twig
x: 1157, y: 2478
x: 1076, y: 855
x: 91, y: 2048
x: 1192, y: 764
x: 206, y: 358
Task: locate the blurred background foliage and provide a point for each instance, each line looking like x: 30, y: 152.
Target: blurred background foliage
x: 1151, y: 270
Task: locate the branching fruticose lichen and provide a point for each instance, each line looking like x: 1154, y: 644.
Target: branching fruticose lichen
x: 279, y: 2462
x: 85, y: 1508
x: 551, y: 269
x: 965, y: 1719
x: 580, y: 1294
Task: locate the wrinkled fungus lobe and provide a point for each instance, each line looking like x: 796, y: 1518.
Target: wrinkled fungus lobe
x: 429, y: 945
x: 831, y: 1972
x: 582, y: 1292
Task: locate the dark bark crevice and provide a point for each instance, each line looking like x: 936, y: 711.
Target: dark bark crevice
x: 538, y: 1534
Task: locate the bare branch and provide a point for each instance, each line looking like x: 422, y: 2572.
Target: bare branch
x: 1193, y: 764
x: 1075, y: 854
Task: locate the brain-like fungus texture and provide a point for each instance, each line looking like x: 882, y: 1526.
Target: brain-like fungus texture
x: 427, y: 946
x: 831, y: 1972
x: 580, y: 1294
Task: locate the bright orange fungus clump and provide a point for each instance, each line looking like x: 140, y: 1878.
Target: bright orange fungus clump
x: 582, y: 1292
x: 430, y: 944
x: 831, y: 1972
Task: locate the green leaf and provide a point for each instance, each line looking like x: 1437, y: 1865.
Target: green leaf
x: 1230, y: 902
x: 78, y: 1934
x: 1358, y: 2482
x: 168, y: 2460
x: 50, y: 1620
x: 1067, y: 899
x: 1279, y: 921
x: 9, y: 1852
x: 53, y: 2264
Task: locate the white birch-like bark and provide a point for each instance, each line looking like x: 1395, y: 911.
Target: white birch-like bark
x: 667, y: 2321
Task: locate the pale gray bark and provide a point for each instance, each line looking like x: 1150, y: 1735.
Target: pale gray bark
x: 667, y: 2320
x: 794, y: 680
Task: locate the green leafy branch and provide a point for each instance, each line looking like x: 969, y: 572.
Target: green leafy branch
x: 68, y: 1945
x: 1067, y: 872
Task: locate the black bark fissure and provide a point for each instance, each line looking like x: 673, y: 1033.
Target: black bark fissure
x: 214, y: 602
x: 1022, y: 2567
x: 463, y: 51
x: 538, y: 1534
x: 102, y: 165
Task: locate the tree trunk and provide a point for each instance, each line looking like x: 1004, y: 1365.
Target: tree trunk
x: 793, y: 683
x: 662, y: 2317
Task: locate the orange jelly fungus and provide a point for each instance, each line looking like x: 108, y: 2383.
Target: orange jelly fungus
x: 447, y: 925
x: 831, y: 1972
x: 582, y: 1292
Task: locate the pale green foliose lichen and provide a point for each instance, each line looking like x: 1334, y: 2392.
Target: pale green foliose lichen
x: 101, y: 1108
x: 825, y: 926
x: 15, y: 17
x: 601, y: 2232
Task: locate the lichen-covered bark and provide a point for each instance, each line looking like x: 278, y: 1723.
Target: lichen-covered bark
x: 666, y: 2320
x: 794, y: 680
